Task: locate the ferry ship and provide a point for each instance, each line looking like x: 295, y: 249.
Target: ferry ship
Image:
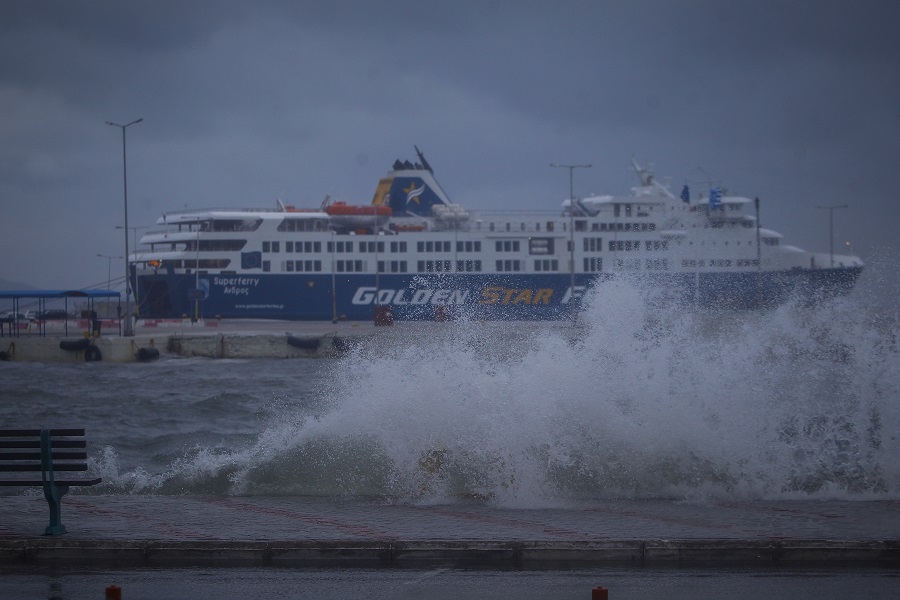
x: 412, y: 254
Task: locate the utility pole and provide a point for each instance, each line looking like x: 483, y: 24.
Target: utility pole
x: 571, y: 168
x: 831, y: 208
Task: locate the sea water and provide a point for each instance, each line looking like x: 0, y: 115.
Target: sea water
x: 631, y: 400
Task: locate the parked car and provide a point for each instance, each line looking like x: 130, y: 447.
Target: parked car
x: 55, y: 314
x: 13, y: 316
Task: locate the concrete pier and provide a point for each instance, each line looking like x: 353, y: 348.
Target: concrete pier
x: 210, y: 339
x: 168, y: 531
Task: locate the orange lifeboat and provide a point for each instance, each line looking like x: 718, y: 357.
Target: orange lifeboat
x: 355, y: 215
x: 408, y: 227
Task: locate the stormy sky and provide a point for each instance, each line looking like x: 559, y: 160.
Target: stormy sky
x: 248, y: 102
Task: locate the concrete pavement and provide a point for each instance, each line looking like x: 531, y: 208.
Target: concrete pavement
x: 315, y: 531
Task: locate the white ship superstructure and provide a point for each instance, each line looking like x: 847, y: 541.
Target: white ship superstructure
x: 414, y: 251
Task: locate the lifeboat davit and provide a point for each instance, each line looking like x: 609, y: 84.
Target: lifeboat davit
x: 354, y: 215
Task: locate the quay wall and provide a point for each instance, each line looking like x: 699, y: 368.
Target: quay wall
x: 189, y: 339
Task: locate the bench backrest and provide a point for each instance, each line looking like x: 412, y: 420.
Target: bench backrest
x: 44, y: 450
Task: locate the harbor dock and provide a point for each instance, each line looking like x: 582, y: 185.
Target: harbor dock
x: 216, y: 338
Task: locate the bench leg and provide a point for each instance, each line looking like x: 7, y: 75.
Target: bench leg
x: 54, y: 493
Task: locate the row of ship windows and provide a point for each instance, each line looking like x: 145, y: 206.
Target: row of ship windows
x: 591, y: 264
x: 719, y: 262
x: 629, y: 245
x: 423, y: 266
x: 650, y: 264
x: 535, y: 246
x: 539, y: 246
x: 581, y: 225
x: 384, y: 266
x: 371, y: 247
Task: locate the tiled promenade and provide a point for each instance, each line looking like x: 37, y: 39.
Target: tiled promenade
x: 314, y: 531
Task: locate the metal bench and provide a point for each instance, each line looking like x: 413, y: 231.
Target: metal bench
x: 48, y: 452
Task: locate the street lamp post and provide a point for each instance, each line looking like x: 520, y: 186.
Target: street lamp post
x: 571, y: 168
x: 108, y: 267
x: 137, y: 286
x: 129, y: 326
x: 831, y: 209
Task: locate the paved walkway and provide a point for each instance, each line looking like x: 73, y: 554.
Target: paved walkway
x: 154, y: 530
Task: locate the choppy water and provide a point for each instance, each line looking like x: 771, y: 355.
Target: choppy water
x: 633, y: 402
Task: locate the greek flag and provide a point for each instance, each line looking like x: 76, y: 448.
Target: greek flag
x: 715, y: 197
x: 686, y: 193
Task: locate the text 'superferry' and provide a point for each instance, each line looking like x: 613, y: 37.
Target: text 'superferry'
x: 414, y: 251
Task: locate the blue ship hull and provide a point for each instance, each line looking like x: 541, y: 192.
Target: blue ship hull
x: 436, y: 296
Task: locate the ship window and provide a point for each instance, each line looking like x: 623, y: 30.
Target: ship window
x: 546, y: 264
x: 289, y: 246
x: 266, y: 247
x: 593, y: 264
x: 266, y: 266
x: 491, y: 227
x: 289, y: 266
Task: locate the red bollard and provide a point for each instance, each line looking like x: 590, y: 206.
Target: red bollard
x: 599, y: 593
x: 113, y: 592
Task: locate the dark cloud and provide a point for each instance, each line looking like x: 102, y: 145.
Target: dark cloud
x: 245, y: 102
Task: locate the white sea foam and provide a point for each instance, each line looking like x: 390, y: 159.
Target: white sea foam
x: 632, y: 401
